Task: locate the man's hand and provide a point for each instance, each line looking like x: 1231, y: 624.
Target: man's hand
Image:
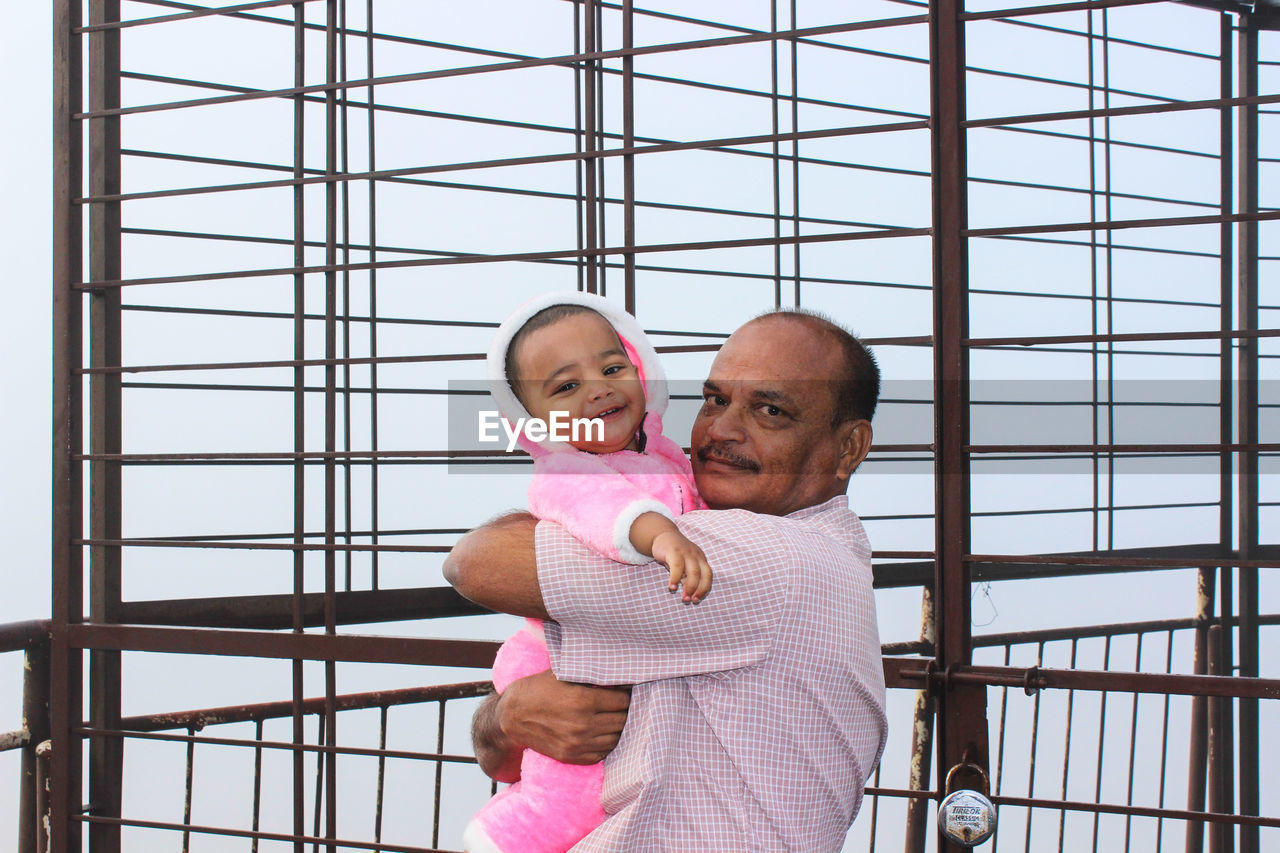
x: 572, y: 723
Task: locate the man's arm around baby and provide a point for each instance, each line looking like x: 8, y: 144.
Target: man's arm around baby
x: 494, y: 566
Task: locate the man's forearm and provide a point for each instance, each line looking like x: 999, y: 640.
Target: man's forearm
x: 495, y: 566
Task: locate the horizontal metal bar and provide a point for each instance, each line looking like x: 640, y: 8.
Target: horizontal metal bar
x: 1150, y: 449
x: 285, y: 746
x: 1116, y: 112
x: 803, y: 239
x: 353, y: 648
x: 198, y: 719
x: 1030, y: 340
x: 14, y: 740
x: 515, y: 65
x: 17, y: 636
x: 275, y: 612
x: 1124, y: 224
x: 1137, y: 562
x: 186, y: 16
x: 1012, y: 567
x: 502, y: 163
x: 919, y: 671
x: 299, y: 547
x: 1115, y: 629
x: 349, y: 455
x: 906, y: 793
x: 1024, y: 11
x: 382, y: 846
x: 1136, y: 811
x: 304, y: 362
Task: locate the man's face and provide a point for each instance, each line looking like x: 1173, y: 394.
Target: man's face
x: 763, y: 439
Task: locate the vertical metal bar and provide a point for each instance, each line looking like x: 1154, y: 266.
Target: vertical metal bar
x: 373, y: 299
x: 1221, y: 836
x: 1066, y: 750
x: 1108, y: 253
x: 589, y: 136
x: 628, y: 160
x: 382, y: 773
x: 921, y: 740
x: 106, y: 755
x: 186, y: 799
x: 331, y: 415
x: 1200, y: 770
x: 1102, y: 741
x: 1222, y: 727
x: 1095, y: 356
x: 579, y: 164
x: 318, y: 811
x: 1247, y: 429
x: 600, y: 162
x: 776, y: 152
x: 257, y: 784
x: 875, y: 810
x: 795, y: 161
x: 1133, y: 740
x: 67, y: 569
x: 299, y: 415
x: 344, y: 159
x: 1035, y: 741
x: 1164, y: 738
x: 962, y: 722
x: 43, y: 759
x: 435, y: 813
x: 35, y: 719
x: 1197, y: 762
x: 998, y: 785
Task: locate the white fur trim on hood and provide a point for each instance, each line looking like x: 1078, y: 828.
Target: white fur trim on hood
x: 629, y: 331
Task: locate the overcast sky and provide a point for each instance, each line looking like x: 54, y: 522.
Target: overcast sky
x: 25, y: 75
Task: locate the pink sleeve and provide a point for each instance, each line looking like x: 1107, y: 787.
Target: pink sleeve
x: 592, y: 501
x: 660, y: 445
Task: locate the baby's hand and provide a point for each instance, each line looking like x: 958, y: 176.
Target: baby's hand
x: 684, y: 560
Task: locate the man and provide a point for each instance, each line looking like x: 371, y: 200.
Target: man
x: 757, y: 715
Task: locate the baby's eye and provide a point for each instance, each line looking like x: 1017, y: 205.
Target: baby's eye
x: 565, y: 388
x: 612, y: 369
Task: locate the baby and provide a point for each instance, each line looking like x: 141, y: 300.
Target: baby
x: 616, y: 489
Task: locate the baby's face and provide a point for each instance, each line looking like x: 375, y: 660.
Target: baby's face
x: 577, y: 365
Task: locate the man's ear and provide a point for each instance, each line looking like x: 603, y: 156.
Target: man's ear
x: 855, y: 443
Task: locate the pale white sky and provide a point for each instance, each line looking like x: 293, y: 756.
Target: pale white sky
x: 25, y: 313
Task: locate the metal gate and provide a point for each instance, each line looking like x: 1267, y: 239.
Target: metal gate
x: 285, y: 230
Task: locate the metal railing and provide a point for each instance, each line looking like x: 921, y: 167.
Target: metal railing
x: 1047, y: 775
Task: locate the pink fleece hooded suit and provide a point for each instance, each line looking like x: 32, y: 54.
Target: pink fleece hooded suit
x: 596, y: 498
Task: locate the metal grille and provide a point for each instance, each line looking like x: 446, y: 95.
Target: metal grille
x: 285, y: 231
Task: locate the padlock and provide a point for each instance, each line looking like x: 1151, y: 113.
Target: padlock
x: 965, y: 816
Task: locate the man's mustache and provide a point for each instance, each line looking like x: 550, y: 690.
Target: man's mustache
x: 721, y: 453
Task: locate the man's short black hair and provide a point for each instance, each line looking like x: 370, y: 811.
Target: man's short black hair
x: 857, y: 389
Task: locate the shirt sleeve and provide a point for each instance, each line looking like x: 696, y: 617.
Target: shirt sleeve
x: 617, y: 624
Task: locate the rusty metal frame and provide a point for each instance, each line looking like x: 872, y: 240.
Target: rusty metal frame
x: 952, y: 690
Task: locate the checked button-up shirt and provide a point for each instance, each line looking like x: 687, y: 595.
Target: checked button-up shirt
x: 757, y: 715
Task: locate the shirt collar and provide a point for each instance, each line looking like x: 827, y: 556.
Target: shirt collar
x: 837, y: 502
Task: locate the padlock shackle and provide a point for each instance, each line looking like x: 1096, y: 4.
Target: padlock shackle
x: 972, y: 766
